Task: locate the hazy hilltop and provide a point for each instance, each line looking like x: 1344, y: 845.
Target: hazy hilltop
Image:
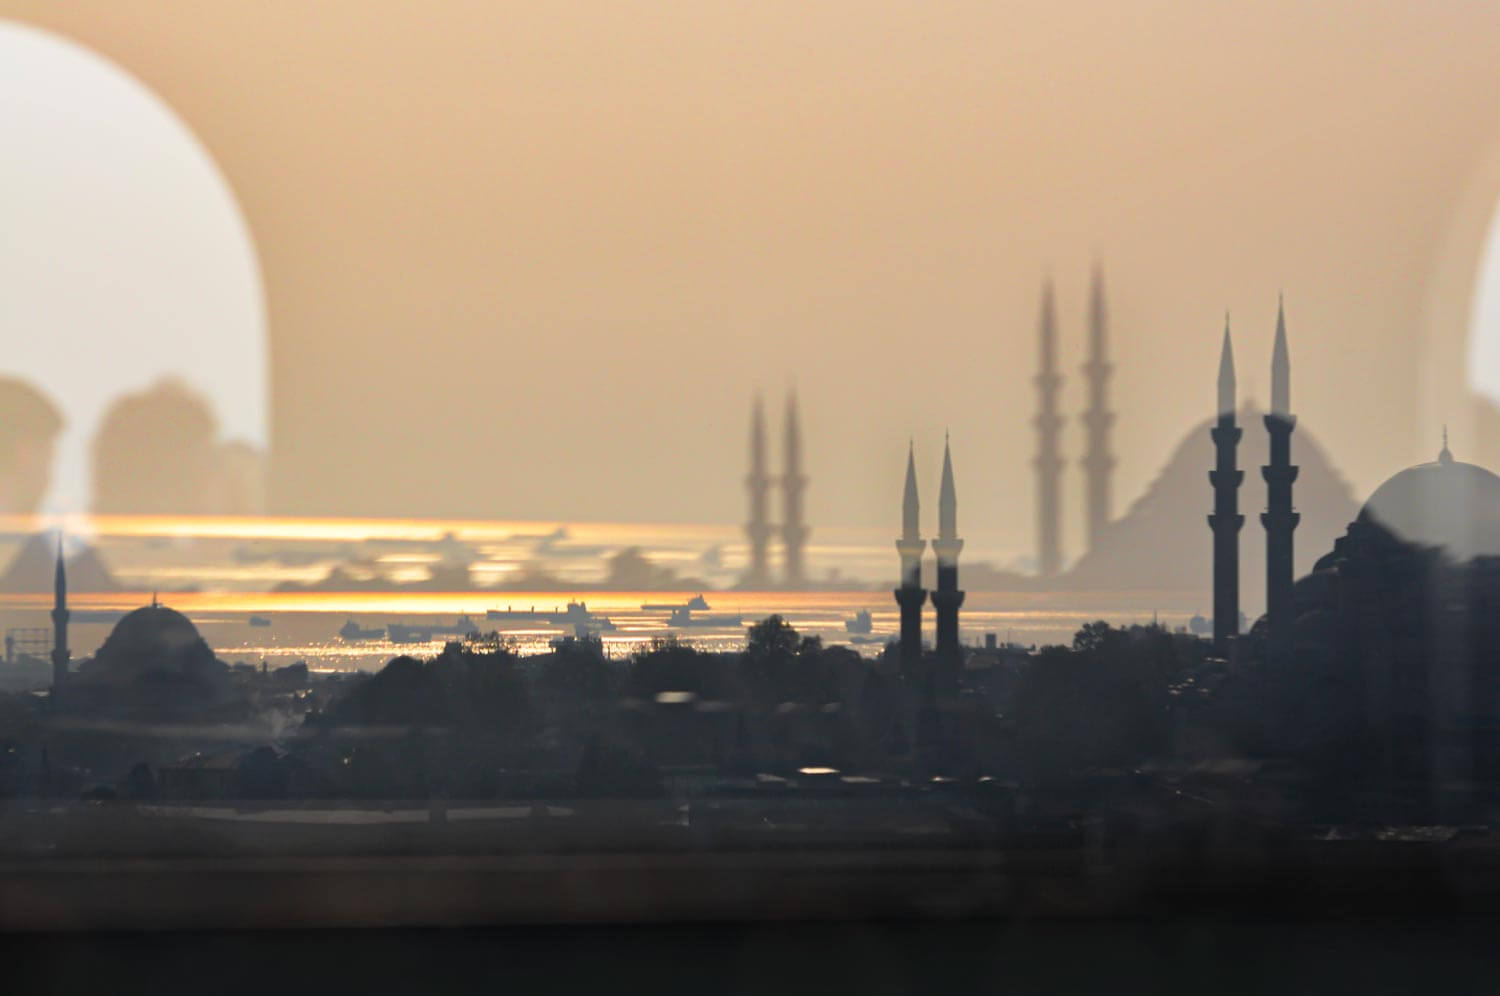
x: 31, y: 571
x: 1163, y: 541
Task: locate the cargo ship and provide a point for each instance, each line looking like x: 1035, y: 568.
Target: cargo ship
x: 352, y: 630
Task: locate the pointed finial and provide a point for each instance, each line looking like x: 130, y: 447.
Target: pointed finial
x: 1226, y: 374
x: 60, y: 574
x: 1048, y: 326
x: 1096, y: 310
x: 947, y: 497
x: 1445, y: 456
x: 1281, y: 366
x: 910, y: 504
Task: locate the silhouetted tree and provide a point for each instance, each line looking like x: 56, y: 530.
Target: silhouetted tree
x: 610, y: 771
x: 668, y: 665
x: 1103, y: 702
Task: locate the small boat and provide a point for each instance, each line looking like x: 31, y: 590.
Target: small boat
x: 354, y: 631
x: 860, y: 624
x: 260, y: 620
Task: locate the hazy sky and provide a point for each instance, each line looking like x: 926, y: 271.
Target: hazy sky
x: 531, y: 260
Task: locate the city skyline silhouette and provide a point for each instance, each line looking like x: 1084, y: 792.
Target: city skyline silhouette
x: 854, y: 497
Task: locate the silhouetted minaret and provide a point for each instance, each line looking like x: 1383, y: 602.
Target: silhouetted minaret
x: 1098, y: 462
x: 1279, y: 518
x: 1048, y: 463
x: 793, y: 483
x: 946, y: 598
x: 758, y: 483
x: 910, y: 595
x: 60, y: 655
x: 1226, y: 519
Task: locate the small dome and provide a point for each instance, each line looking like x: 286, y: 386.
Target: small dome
x: 1446, y: 503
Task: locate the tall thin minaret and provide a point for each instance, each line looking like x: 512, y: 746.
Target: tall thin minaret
x: 911, y: 595
x: 1226, y: 519
x: 758, y: 484
x: 793, y: 483
x: 60, y: 654
x: 1098, y: 462
x: 1279, y: 518
x: 946, y: 598
x: 1047, y: 462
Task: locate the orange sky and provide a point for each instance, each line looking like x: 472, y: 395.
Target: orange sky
x: 530, y: 260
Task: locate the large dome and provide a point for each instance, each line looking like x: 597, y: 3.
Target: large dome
x: 153, y: 627
x: 153, y: 639
x: 1446, y: 503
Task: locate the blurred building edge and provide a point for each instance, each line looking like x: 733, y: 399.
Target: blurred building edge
x: 793, y: 529
x: 237, y: 482
x: 157, y: 452
x: 32, y: 569
x: 29, y: 424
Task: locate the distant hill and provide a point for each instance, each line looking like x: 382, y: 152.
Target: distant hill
x: 31, y: 570
x: 1163, y: 541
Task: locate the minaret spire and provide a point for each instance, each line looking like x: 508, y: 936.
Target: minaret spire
x: 793, y: 483
x: 947, y: 498
x: 910, y: 595
x: 1281, y: 367
x: 60, y: 653
x: 758, y: 484
x: 1226, y: 373
x: 1048, y: 463
x: 911, y: 506
x: 1279, y: 519
x: 1226, y: 519
x: 947, y: 598
x: 1098, y: 462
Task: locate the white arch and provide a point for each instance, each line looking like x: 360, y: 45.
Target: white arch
x: 124, y: 256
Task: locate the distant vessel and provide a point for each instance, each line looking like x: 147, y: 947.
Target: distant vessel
x: 354, y: 631
x: 682, y: 616
x: 463, y: 626
x: 577, y: 615
x: 402, y: 633
x: 860, y: 624
x: 260, y: 620
x: 696, y: 603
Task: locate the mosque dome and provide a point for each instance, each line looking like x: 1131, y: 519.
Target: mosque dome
x: 1446, y: 503
x: 151, y: 639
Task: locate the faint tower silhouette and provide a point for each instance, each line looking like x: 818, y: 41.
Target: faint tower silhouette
x: 793, y: 483
x: 1048, y: 463
x: 1279, y: 518
x: 1098, y: 462
x: 758, y: 483
x: 911, y: 595
x: 1226, y: 519
x: 946, y: 598
x: 60, y: 655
